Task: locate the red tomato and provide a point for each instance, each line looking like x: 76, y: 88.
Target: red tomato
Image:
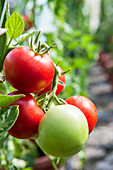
x: 27, y: 71
x: 28, y: 22
x: 59, y: 86
x: 26, y: 125
x: 87, y: 107
x: 25, y: 18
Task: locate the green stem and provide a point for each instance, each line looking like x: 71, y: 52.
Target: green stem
x: 51, y: 160
x: 3, y: 13
x: 52, y: 96
x: 9, y: 43
x: 53, y: 163
x: 47, y: 49
x: 34, y: 7
x: 55, y: 82
x: 5, y: 50
x: 54, y: 88
x: 57, y: 100
x: 64, y: 72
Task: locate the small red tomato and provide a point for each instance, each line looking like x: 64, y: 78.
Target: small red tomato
x: 25, y: 18
x: 27, y: 71
x: 87, y: 107
x: 26, y: 125
x: 59, y: 86
x: 28, y: 22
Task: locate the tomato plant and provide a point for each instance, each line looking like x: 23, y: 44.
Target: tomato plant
x: 28, y: 119
x: 60, y: 87
x: 63, y: 131
x: 28, y: 71
x: 87, y: 107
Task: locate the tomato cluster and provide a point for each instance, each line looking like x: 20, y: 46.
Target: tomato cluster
x: 63, y: 129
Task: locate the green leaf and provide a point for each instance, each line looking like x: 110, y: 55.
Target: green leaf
x: 15, y: 25
x: 3, y: 88
x: 2, y: 31
x: 8, y: 116
x: 6, y: 100
x: 17, y: 147
x: 24, y: 37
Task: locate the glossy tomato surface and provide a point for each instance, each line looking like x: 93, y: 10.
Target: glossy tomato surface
x: 63, y: 131
x: 27, y: 71
x: 26, y: 125
x: 87, y: 107
x: 59, y: 86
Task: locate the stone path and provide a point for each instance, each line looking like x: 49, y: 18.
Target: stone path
x: 99, y: 148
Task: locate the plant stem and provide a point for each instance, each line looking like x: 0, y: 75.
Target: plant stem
x: 51, y: 160
x: 55, y: 82
x: 48, y: 100
x: 3, y: 13
x: 5, y: 50
x: 34, y: 6
x: 9, y: 42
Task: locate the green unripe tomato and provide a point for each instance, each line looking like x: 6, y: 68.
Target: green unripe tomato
x: 63, y: 131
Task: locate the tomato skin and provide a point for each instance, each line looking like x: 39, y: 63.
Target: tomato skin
x: 63, y: 131
x: 27, y: 71
x: 28, y: 119
x: 62, y: 78
x: 87, y: 107
x: 59, y: 86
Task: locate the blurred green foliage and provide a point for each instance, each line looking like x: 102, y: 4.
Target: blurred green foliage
x: 75, y: 45
x: 104, y: 34
x: 18, y: 153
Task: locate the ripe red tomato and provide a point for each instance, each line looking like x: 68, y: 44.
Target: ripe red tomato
x: 26, y: 125
x: 59, y: 86
x: 27, y: 71
x: 87, y: 107
x: 63, y: 131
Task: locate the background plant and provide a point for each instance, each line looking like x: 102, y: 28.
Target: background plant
x: 104, y: 33
x: 75, y: 49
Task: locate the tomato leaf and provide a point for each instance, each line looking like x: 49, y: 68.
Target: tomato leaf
x: 3, y: 88
x: 6, y: 100
x: 24, y: 37
x: 15, y: 25
x: 8, y: 116
x: 2, y: 31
